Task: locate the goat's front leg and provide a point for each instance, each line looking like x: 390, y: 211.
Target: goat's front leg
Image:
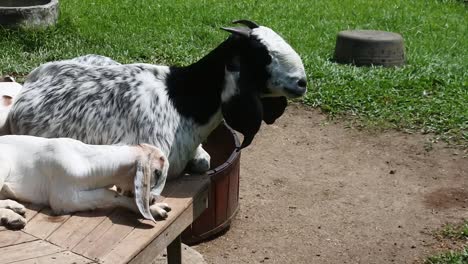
x: 200, y: 162
x: 160, y: 209
x: 104, y: 198
x: 11, y: 219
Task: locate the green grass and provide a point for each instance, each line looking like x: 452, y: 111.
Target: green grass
x: 456, y: 231
x: 452, y: 257
x: 430, y: 94
x: 455, y: 234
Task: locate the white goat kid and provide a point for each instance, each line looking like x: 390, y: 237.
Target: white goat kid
x: 71, y: 176
x: 245, y: 80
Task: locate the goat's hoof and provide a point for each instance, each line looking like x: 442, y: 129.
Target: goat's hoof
x: 14, y: 206
x: 14, y: 221
x: 200, y: 164
x: 16, y: 224
x: 160, y: 210
x: 164, y: 206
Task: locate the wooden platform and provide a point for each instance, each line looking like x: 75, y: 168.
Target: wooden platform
x: 106, y: 236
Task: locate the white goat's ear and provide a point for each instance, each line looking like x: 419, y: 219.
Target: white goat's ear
x: 142, y: 189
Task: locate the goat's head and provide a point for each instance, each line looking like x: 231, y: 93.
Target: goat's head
x: 266, y: 71
x: 150, y: 177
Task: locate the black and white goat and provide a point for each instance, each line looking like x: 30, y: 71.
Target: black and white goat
x: 244, y: 80
x: 71, y: 176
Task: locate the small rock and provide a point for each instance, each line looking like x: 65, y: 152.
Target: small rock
x: 392, y: 171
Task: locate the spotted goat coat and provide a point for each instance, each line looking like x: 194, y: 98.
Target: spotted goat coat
x: 99, y: 101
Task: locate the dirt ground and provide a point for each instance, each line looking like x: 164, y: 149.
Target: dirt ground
x: 318, y: 192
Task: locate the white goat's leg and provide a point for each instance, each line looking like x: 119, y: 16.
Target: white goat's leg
x: 104, y: 198
x: 13, y: 205
x: 201, y: 160
x: 11, y: 219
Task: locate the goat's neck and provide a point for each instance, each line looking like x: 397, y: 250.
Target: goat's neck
x: 110, y: 162
x: 195, y: 92
x: 196, y: 89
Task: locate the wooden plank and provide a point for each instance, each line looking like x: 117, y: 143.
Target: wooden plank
x: 181, y: 215
x: 122, y: 222
x: 134, y: 242
x: 77, y: 227
x: 206, y: 220
x: 44, y: 223
x: 65, y: 257
x: 174, y: 251
x: 173, y: 230
x: 97, y: 232
x: 233, y: 189
x: 28, y: 250
x: 31, y: 211
x: 10, y: 238
x: 221, y: 197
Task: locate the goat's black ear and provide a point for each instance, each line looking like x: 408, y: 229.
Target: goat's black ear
x: 243, y: 113
x: 273, y: 108
x: 241, y: 31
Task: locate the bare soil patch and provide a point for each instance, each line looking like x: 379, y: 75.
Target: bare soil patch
x: 318, y: 192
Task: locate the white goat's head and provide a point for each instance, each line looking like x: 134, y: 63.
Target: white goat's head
x: 150, y: 177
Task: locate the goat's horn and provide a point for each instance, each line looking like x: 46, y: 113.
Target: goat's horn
x: 247, y: 23
x: 242, y: 31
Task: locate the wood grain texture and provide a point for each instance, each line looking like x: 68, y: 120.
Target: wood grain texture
x: 77, y: 227
x: 45, y: 223
x: 162, y: 233
x: 116, y: 227
x: 10, y: 238
x: 221, y: 197
x: 65, y: 257
x: 29, y: 250
x: 173, y: 229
